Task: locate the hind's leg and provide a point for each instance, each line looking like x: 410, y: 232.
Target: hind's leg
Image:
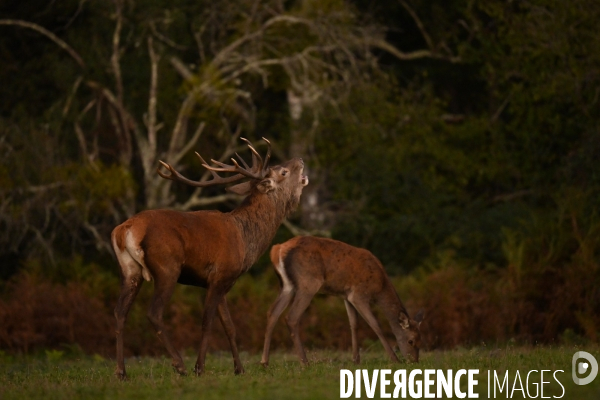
x: 352, y: 318
x: 364, y: 309
x: 130, y: 286
x: 284, y: 298
x: 299, y: 305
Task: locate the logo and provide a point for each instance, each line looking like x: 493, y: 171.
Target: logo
x: 583, y: 367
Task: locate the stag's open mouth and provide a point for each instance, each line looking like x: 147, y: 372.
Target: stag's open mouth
x: 304, y: 180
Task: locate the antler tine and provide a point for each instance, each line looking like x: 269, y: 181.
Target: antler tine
x: 257, y: 171
x: 171, y: 176
x: 176, y: 176
x: 257, y: 161
x: 213, y: 173
x: 268, y: 156
x: 224, y: 167
x: 233, y: 168
x: 242, y: 160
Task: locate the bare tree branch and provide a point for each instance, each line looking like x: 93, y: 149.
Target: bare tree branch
x: 165, y: 39
x: 80, y: 135
x: 181, y: 68
x: 297, y: 231
x: 190, y: 144
x: 197, y: 201
x: 419, y: 24
x: 512, y: 196
x: 151, y: 123
x: 48, y: 34
x: 101, y: 242
x: 181, y: 123
x: 413, y: 55
x: 44, y: 188
x: 116, y: 50
x: 72, y: 95
x: 77, y: 13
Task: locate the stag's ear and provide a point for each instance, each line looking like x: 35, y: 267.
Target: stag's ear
x: 266, y: 185
x: 404, y: 321
x: 241, y: 188
x: 419, y: 317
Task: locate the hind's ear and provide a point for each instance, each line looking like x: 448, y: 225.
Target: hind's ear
x: 420, y: 316
x: 241, y: 188
x: 404, y: 320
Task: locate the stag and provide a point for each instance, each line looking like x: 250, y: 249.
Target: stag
x: 306, y: 265
x: 208, y: 249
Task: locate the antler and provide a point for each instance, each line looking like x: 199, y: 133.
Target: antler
x: 258, y: 171
x: 259, y: 168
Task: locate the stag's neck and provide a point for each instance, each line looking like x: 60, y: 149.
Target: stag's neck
x: 258, y: 218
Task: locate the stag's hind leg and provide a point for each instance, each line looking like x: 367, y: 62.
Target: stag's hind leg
x: 131, y: 282
x: 163, y: 290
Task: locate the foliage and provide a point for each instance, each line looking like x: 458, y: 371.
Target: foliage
x: 456, y: 140
x: 72, y: 304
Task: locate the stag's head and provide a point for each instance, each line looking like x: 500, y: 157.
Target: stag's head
x: 410, y: 339
x: 283, y: 182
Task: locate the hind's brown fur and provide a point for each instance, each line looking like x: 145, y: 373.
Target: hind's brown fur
x: 307, y: 265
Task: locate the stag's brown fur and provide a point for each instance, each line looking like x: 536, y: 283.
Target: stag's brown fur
x: 204, y: 248
x: 308, y: 265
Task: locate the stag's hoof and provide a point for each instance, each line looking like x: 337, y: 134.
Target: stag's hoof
x: 265, y: 364
x: 198, y: 371
x: 239, y: 370
x: 121, y: 375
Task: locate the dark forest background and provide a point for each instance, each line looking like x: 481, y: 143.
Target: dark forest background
x: 457, y: 140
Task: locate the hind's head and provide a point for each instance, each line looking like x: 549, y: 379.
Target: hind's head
x: 409, y: 341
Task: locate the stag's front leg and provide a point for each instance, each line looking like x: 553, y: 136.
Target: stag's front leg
x: 214, y: 296
x: 230, y: 331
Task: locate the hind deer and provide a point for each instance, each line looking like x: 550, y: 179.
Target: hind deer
x: 307, y: 265
x: 203, y: 248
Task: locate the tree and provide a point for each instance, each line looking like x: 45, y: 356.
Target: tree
x: 148, y: 89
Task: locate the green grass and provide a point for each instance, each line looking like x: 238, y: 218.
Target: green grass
x: 55, y: 375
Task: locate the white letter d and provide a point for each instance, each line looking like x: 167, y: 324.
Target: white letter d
x: 346, y: 390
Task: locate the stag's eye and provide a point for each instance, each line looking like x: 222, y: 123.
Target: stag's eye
x: 284, y: 172
x: 412, y: 343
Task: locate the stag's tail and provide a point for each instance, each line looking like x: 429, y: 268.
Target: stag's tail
x: 129, y: 253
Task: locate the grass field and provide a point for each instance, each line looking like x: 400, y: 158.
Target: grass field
x: 55, y: 375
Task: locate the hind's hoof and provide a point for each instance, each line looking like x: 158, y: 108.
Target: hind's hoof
x: 180, y: 369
